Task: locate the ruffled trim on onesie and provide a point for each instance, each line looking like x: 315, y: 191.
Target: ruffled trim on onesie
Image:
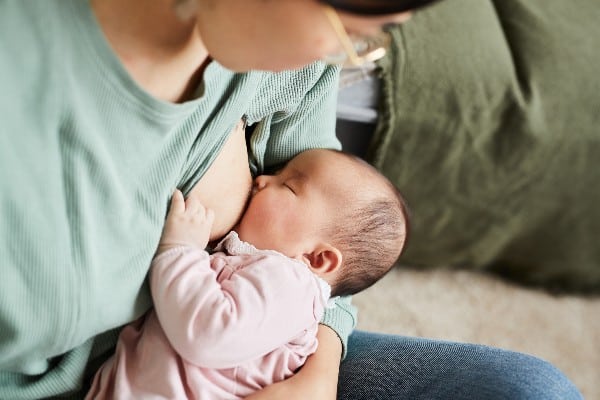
x: 233, y: 245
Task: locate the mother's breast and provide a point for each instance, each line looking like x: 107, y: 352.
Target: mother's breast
x: 225, y: 187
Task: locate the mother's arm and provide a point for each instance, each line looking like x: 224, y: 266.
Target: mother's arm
x: 318, y: 377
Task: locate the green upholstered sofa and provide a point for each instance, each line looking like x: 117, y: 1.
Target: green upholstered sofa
x: 489, y: 122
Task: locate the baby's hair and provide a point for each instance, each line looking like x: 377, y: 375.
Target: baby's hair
x: 371, y: 235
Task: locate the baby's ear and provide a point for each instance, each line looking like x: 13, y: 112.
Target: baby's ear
x: 324, y: 260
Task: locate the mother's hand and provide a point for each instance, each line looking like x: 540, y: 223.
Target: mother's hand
x: 225, y: 187
x: 317, y: 379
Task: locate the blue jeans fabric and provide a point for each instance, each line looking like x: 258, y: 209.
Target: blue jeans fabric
x: 381, y: 366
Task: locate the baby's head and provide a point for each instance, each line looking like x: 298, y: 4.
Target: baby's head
x: 333, y: 211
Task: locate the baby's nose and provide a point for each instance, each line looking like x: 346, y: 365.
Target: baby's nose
x: 261, y: 181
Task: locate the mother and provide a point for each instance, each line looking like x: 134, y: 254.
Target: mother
x: 106, y: 106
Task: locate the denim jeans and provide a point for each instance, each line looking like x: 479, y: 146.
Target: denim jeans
x: 390, y: 367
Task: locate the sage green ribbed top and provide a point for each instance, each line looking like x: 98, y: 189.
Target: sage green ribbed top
x: 88, y: 161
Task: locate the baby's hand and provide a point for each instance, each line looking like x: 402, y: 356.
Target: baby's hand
x: 188, y: 224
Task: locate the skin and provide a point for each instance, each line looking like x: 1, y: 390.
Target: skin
x: 166, y: 56
x: 229, y: 176
x: 291, y: 210
x: 266, y: 45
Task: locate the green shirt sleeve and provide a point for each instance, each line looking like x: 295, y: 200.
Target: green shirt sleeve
x: 342, y: 319
x: 305, y: 122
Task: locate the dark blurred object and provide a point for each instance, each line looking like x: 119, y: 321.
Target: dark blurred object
x: 377, y: 7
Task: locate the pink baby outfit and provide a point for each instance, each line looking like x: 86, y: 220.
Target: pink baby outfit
x: 223, y: 326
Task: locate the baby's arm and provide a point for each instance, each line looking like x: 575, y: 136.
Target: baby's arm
x: 221, y: 324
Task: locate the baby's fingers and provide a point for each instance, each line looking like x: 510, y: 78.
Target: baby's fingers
x: 204, y: 214
x: 193, y: 206
x: 177, y: 202
x: 210, y: 216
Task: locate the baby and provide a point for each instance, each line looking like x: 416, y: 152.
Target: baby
x: 228, y: 324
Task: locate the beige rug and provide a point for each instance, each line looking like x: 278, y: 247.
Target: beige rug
x: 471, y: 307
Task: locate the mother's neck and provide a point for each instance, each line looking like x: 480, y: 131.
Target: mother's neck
x: 162, y: 53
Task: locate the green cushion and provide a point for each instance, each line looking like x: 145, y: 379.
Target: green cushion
x: 490, y: 126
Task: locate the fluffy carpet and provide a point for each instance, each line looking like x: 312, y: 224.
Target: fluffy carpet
x: 472, y: 307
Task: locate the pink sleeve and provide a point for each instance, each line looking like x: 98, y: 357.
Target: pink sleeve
x: 220, y: 325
